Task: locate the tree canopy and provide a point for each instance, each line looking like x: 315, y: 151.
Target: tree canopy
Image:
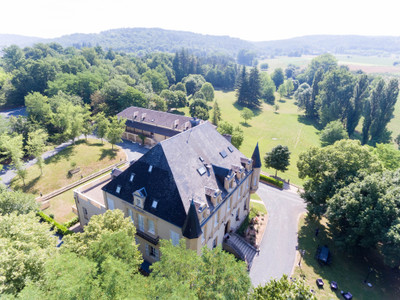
x: 278, y: 158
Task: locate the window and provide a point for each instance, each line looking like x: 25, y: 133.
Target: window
x: 130, y: 212
x: 230, y: 149
x: 228, y: 205
x: 247, y: 184
x: 150, y: 168
x: 110, y: 203
x: 202, y: 171
x: 154, y: 204
x: 118, y: 189
x: 85, y: 213
x: 138, y: 202
x: 203, y: 236
x: 244, y: 207
x: 152, y: 251
x: 141, y: 222
x: 216, y: 220
x: 175, y: 238
x: 132, y: 176
x: 150, y: 224
x: 223, y: 154
x: 215, y: 242
x: 240, y: 190
x: 255, y: 179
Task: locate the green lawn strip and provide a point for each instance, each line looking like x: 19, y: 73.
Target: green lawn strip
x: 348, y: 270
x: 255, y: 197
x: 90, y: 156
x: 258, y: 206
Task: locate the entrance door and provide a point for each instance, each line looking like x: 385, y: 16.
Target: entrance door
x: 227, y: 227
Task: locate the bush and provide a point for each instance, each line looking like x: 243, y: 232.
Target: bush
x: 271, y: 180
x: 71, y: 222
x: 61, y: 229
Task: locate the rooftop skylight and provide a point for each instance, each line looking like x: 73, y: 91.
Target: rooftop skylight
x: 202, y: 170
x: 154, y: 204
x: 131, y: 177
x: 223, y: 154
x: 230, y: 149
x: 118, y: 189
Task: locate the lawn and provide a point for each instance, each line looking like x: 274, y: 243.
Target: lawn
x: 258, y: 206
x: 269, y: 129
x: 90, y: 156
x: 348, y: 270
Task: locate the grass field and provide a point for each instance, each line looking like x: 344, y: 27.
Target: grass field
x: 348, y: 270
x: 269, y: 129
x: 90, y: 156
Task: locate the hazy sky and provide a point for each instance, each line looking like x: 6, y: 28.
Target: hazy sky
x: 247, y: 19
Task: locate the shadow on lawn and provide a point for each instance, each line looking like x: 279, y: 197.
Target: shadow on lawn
x: 308, y: 121
x: 28, y: 186
x: 63, y: 154
x: 110, y: 153
x: 348, y: 269
x: 256, y: 111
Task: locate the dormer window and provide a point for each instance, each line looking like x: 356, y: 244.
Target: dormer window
x: 154, y: 204
x: 202, y: 171
x: 143, y: 116
x: 150, y: 168
x: 223, y: 154
x: 131, y: 177
x: 118, y: 189
x: 135, y: 114
x: 230, y: 149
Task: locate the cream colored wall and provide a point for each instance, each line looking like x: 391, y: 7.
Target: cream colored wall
x: 91, y: 207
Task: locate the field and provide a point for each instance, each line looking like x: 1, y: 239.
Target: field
x: 269, y: 129
x: 90, y: 156
x: 348, y: 270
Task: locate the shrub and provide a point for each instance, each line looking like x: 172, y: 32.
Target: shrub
x: 61, y: 229
x: 271, y: 180
x: 71, y: 222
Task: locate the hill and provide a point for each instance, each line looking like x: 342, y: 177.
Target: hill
x: 145, y: 40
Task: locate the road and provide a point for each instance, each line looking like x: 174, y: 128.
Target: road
x: 278, y: 247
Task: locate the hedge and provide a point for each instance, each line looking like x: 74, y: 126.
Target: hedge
x: 61, y: 229
x: 71, y: 222
x: 271, y: 180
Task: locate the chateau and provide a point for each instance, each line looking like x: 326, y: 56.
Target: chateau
x: 195, y: 185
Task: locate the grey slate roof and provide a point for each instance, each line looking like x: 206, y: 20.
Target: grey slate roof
x: 155, y: 121
x: 175, y: 180
x: 191, y: 228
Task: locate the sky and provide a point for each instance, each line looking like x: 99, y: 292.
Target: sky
x: 252, y: 20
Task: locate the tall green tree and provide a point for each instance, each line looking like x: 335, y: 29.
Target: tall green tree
x: 242, y: 92
x: 388, y: 155
x: 246, y: 114
x: 360, y: 93
x: 102, y: 125
x: 379, y: 111
x: 328, y: 169
x: 199, y: 109
x: 268, y: 88
x: 236, y: 133
x: 333, y: 131
x: 115, y: 130
x: 278, y: 158
x: 313, y: 106
x: 254, y: 88
x: 208, y: 91
x: 216, y: 113
x: 16, y: 202
x: 25, y: 246
x: 36, y: 146
x: 278, y: 77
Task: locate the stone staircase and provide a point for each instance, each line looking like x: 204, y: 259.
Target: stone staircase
x: 240, y: 248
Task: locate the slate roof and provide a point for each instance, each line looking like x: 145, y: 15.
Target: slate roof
x: 256, y: 157
x: 175, y: 180
x: 160, y: 122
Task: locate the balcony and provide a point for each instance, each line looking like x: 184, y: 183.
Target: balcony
x: 148, y: 237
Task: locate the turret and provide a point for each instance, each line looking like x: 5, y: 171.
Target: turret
x: 255, y: 177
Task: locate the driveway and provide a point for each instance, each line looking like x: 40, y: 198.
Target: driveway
x: 278, y: 247
x: 133, y: 150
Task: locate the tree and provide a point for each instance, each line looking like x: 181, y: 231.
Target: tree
x: 328, y: 169
x: 216, y: 113
x: 13, y: 58
x: 101, y: 235
x: 324, y: 62
x: 87, y: 126
x: 388, y: 155
x: 102, y: 126
x: 336, y: 91
x: 25, y: 246
x: 303, y: 96
x: 36, y: 146
x: 236, y: 133
x: 397, y: 141
x: 199, y: 109
x: 246, y: 114
x: 283, y: 289
x: 379, y: 111
x: 278, y: 77
x: 158, y: 81
x: 181, y: 273
x: 268, y: 88
x: 366, y: 213
x: 289, y: 87
x: 281, y: 91
x: 333, y: 132
x: 254, y: 91
x: 115, y: 130
x: 242, y: 92
x: 208, y: 91
x: 264, y: 66
x: 193, y: 83
x: 16, y: 202
x: 356, y: 104
x: 313, y: 107
x: 278, y: 158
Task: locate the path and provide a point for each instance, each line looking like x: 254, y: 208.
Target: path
x: 278, y: 247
